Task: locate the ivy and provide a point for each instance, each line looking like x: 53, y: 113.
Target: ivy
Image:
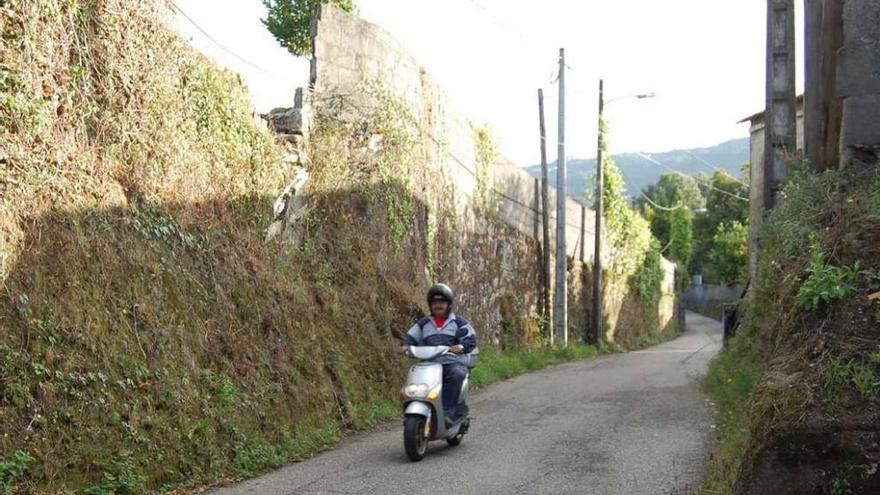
x: 486, y: 155
x: 648, y: 277
x: 634, y: 250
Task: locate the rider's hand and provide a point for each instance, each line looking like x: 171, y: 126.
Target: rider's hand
x: 402, y: 349
x: 456, y: 349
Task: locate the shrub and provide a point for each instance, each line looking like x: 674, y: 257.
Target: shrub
x: 13, y: 468
x: 825, y: 282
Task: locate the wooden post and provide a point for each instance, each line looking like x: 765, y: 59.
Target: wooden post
x: 597, y: 254
x: 545, y: 222
x: 823, y: 108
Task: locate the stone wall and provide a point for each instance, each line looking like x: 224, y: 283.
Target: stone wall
x: 497, y: 273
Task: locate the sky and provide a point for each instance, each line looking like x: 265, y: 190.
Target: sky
x: 704, y: 60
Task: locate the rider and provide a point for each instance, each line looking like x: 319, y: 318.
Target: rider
x: 440, y: 329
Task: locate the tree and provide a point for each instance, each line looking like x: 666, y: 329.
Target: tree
x: 681, y: 237
x: 290, y: 21
x: 724, y: 206
x: 729, y: 252
x: 673, y: 190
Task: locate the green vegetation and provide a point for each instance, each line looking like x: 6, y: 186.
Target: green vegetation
x: 730, y: 252
x: 721, y: 232
x: 151, y: 337
x: 487, y: 154
x: 825, y: 282
x: 845, y: 374
x: 701, y: 222
x: 13, y: 469
x: 805, y: 358
x: 495, y: 366
x: 636, y: 267
x: 290, y: 21
x: 648, y: 277
x: 731, y: 382
x: 672, y: 228
x: 681, y: 236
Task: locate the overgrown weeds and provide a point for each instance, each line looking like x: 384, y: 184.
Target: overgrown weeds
x: 797, y: 390
x: 731, y: 383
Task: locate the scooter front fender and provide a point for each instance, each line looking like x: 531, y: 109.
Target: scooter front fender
x: 420, y: 408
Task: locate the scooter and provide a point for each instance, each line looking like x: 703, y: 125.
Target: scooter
x: 421, y: 398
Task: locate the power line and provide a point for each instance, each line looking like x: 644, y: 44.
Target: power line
x: 224, y: 47
x: 458, y: 161
x: 713, y: 167
x: 710, y: 186
x: 659, y: 207
x: 527, y: 41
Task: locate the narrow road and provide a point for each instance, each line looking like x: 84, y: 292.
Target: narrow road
x: 634, y: 423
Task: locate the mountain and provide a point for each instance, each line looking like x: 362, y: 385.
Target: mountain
x: 639, y: 171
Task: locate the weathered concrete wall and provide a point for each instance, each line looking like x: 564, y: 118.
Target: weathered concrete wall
x: 756, y: 176
x: 497, y: 271
x: 708, y: 299
x: 858, y: 83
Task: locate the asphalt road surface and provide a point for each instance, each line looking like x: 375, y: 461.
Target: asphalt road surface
x: 620, y: 424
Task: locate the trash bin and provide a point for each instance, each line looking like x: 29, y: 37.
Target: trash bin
x: 728, y: 320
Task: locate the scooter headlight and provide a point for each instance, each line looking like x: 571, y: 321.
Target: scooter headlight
x: 416, y: 390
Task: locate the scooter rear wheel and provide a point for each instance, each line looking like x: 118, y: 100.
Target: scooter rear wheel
x: 456, y: 440
x: 415, y: 440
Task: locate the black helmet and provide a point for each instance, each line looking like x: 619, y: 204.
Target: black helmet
x: 440, y: 291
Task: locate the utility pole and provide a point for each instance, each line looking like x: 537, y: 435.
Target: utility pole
x: 597, y: 251
x: 560, y: 309
x: 780, y: 125
x: 545, y: 222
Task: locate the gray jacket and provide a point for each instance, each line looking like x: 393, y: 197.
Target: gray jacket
x: 425, y: 331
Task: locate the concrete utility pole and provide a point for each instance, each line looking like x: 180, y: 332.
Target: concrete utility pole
x: 545, y: 222
x: 560, y: 309
x: 597, y: 250
x: 780, y: 129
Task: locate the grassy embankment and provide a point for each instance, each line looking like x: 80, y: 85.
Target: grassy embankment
x: 798, y: 389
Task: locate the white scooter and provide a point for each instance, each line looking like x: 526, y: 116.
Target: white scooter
x: 421, y: 398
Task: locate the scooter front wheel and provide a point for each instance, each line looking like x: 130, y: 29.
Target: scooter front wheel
x: 415, y: 437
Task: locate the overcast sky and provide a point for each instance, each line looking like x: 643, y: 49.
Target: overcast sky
x: 703, y: 58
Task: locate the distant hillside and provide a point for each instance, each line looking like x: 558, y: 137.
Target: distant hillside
x: 640, y: 172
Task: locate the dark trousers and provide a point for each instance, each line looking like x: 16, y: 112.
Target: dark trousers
x: 453, y: 377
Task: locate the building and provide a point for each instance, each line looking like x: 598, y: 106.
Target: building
x: 756, y: 174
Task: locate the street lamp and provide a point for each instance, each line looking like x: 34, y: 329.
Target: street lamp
x: 597, y: 251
